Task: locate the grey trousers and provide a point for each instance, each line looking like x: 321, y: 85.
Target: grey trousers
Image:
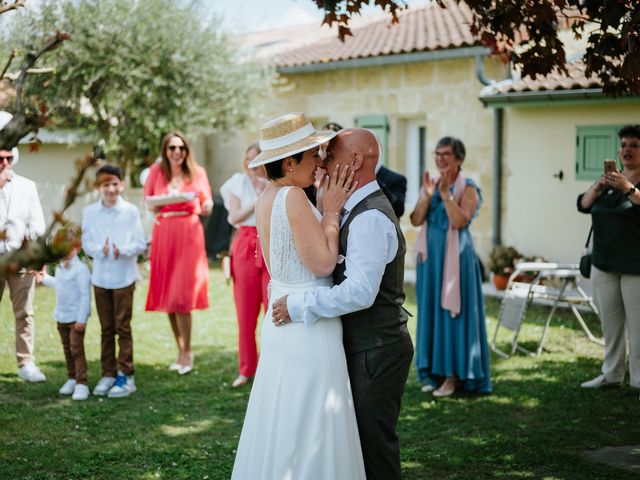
x: 377, y: 379
x: 617, y: 297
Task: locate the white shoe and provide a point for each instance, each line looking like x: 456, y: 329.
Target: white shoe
x: 174, y: 367
x: 31, y: 373
x: 81, y: 392
x: 124, y: 386
x: 184, y: 369
x: 600, y: 382
x: 103, y: 386
x: 427, y: 388
x: 67, y: 388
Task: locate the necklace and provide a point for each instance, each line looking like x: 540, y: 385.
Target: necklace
x: 281, y: 184
x: 176, y: 182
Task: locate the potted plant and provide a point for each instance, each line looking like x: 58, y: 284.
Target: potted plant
x: 502, y: 260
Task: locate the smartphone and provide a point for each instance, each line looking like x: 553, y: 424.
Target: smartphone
x: 610, y: 166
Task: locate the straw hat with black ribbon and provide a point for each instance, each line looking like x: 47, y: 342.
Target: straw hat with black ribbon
x: 287, y: 135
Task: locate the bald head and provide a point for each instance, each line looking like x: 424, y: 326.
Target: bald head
x: 359, y: 148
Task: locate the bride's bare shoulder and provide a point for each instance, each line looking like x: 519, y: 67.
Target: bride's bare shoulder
x: 266, y: 198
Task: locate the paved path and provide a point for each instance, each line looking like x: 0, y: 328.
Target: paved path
x: 627, y: 457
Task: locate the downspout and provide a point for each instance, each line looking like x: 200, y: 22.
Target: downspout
x: 497, y: 158
x: 497, y: 175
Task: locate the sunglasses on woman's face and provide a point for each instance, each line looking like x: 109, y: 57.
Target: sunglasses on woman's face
x: 181, y: 147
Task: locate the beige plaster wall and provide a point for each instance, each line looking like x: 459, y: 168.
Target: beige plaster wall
x: 443, y: 94
x: 540, y: 216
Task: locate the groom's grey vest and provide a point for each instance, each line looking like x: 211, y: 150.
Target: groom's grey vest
x: 385, y: 321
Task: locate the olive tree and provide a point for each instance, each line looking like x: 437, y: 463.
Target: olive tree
x: 132, y: 70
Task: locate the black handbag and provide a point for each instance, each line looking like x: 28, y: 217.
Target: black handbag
x: 585, y: 259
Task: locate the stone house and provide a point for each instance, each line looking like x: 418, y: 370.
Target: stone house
x: 532, y: 145
x: 412, y: 83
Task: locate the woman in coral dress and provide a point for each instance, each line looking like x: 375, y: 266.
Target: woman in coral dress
x: 179, y: 267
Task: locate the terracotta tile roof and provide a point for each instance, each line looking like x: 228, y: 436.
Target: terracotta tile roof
x: 420, y: 29
x: 574, y: 80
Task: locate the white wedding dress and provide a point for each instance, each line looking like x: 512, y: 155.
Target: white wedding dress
x: 300, y: 422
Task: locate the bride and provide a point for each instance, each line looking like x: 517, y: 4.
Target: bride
x: 300, y: 422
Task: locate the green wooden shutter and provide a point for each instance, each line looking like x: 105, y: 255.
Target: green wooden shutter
x: 594, y: 144
x: 378, y: 125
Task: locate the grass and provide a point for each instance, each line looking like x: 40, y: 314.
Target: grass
x: 536, y: 424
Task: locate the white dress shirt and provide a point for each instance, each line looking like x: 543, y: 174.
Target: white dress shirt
x: 240, y: 185
x: 122, y: 226
x: 20, y: 212
x: 372, y: 243
x: 72, y: 285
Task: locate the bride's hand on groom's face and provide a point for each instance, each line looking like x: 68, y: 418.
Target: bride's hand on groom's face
x: 279, y: 312
x: 338, y: 187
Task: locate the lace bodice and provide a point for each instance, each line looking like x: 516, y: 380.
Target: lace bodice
x: 286, y: 266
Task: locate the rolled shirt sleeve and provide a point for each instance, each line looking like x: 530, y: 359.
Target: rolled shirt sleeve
x: 371, y: 245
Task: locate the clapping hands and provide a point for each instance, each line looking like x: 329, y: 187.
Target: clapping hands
x: 428, y: 185
x: 444, y: 183
x: 106, y: 247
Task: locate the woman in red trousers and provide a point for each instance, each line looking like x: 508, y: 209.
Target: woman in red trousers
x: 249, y: 273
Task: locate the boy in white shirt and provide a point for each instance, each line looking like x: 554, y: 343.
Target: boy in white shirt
x: 72, y: 284
x: 112, y: 235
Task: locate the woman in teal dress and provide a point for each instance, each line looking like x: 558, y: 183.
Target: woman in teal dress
x: 451, y: 344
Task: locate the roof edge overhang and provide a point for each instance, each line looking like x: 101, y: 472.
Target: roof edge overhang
x: 60, y: 136
x: 551, y: 97
x: 385, y: 60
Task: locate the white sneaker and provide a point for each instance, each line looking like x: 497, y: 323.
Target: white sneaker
x: 80, y: 392
x: 125, y: 385
x: 67, y: 388
x: 31, y: 373
x: 600, y: 382
x: 103, y: 386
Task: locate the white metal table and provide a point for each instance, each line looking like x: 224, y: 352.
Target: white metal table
x: 519, y: 296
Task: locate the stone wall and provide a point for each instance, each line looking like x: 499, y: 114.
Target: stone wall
x: 442, y: 94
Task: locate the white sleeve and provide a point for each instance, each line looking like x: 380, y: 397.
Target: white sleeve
x: 35, y: 224
x: 371, y: 245
x: 84, y: 287
x: 49, y: 280
x: 90, y: 244
x: 137, y: 242
x: 232, y: 186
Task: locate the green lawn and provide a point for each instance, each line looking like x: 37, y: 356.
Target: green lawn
x: 536, y: 424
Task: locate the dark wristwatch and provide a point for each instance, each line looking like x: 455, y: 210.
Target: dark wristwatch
x: 631, y: 191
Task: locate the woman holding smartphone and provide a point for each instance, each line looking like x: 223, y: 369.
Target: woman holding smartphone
x: 614, y: 204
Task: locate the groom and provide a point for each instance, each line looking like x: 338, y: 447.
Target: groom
x: 368, y: 295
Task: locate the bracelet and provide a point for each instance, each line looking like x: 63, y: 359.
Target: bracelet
x: 448, y: 198
x: 631, y: 191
